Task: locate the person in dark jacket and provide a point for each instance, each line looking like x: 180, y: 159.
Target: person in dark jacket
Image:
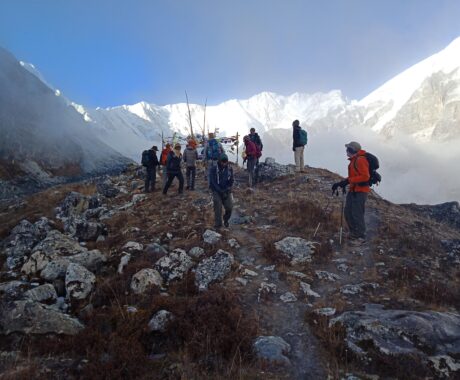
x: 255, y: 138
x: 358, y: 181
x: 297, y: 146
x: 190, y: 156
x: 151, y: 169
x: 221, y: 182
x: 174, y: 170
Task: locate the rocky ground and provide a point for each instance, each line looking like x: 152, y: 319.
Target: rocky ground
x: 100, y: 280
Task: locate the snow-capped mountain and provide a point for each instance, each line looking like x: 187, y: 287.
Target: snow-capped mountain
x: 43, y: 138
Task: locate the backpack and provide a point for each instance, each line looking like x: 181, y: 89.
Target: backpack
x: 164, y: 157
x: 303, y: 137
x: 213, y: 151
x: 374, y: 177
x: 145, y: 161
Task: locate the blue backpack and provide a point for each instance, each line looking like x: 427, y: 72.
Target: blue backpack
x: 303, y: 137
x: 213, y: 151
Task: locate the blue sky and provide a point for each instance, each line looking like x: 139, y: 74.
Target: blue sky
x: 111, y: 52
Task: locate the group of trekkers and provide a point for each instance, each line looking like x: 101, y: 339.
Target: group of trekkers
x: 220, y: 174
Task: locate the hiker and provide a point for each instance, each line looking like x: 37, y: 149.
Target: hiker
x: 212, y: 152
x: 150, y: 161
x: 173, y: 169
x: 251, y: 158
x: 358, y: 181
x: 255, y: 138
x: 190, y: 156
x: 221, y: 182
x: 163, y: 161
x: 299, y: 137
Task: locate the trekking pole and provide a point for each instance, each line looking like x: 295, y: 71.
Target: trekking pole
x: 341, y: 215
x: 324, y: 212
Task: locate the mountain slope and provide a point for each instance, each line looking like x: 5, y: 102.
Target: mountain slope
x: 42, y: 136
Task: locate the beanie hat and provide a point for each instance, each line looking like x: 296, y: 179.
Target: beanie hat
x: 223, y: 157
x: 295, y: 123
x: 355, y: 146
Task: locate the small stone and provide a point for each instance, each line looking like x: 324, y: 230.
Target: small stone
x: 265, y: 289
x: 324, y: 275
x: 273, y: 349
x: 79, y: 281
x: 326, y: 311
x: 212, y: 269
x: 196, y: 252
x: 250, y: 273
x: 233, y: 243
x: 160, y: 321
x: 241, y: 280
x: 123, y: 262
x: 270, y: 268
x: 288, y: 297
x: 145, y: 279
x: 297, y: 250
x: 342, y: 267
x: 297, y: 274
x: 132, y: 246
x: 306, y: 288
x: 211, y: 237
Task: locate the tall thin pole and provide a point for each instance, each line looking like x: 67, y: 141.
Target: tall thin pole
x: 237, y: 148
x: 189, y: 117
x: 204, y: 117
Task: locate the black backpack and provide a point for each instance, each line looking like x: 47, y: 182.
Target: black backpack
x: 374, y: 177
x: 145, y: 161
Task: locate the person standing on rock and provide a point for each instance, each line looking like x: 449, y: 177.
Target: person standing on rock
x: 163, y: 161
x: 251, y: 158
x: 221, y: 182
x: 190, y: 157
x: 299, y: 137
x: 150, y: 161
x: 173, y: 167
x: 358, y: 181
x: 212, y: 152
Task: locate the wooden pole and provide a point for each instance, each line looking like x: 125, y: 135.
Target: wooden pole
x: 237, y: 148
x: 189, y: 117
x: 204, y: 120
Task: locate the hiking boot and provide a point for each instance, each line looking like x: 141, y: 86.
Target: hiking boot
x: 356, y: 242
x: 218, y: 227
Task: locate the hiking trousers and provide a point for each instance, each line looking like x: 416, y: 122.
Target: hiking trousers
x: 190, y: 174
x: 150, y: 178
x: 219, y: 200
x: 251, y: 164
x: 354, y: 214
x: 164, y: 175
x: 171, y: 177
x: 298, y: 158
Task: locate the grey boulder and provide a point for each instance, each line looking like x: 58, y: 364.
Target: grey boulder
x: 212, y: 269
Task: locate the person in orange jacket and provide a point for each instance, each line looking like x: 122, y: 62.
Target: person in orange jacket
x: 358, y: 181
x: 163, y: 161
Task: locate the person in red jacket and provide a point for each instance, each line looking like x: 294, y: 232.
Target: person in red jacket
x: 163, y: 161
x: 251, y: 158
x: 358, y: 181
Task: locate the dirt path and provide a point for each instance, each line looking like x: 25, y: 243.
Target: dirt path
x: 276, y: 317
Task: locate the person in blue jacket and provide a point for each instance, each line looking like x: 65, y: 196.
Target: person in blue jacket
x: 221, y: 182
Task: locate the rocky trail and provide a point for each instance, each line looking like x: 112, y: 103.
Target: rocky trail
x: 88, y: 266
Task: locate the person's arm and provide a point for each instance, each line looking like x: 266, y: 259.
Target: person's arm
x: 155, y: 160
x: 362, y: 167
x: 231, y: 180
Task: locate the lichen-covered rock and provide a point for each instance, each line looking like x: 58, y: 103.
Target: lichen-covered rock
x: 43, y: 293
x: 270, y: 170
x: 30, y: 317
x: 328, y: 276
x: 132, y: 246
x: 23, y: 237
x: 12, y: 289
x: 174, y: 265
x: 358, y: 288
x: 107, y: 189
x: 160, y: 321
x: 306, y: 288
x: 79, y: 281
x: 196, y: 252
x: 211, y: 237
x: 212, y: 269
x: 145, y: 279
x: 296, y: 249
x: 396, y: 333
x: 272, y: 349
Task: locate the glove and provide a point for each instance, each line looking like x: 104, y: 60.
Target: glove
x: 341, y: 184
